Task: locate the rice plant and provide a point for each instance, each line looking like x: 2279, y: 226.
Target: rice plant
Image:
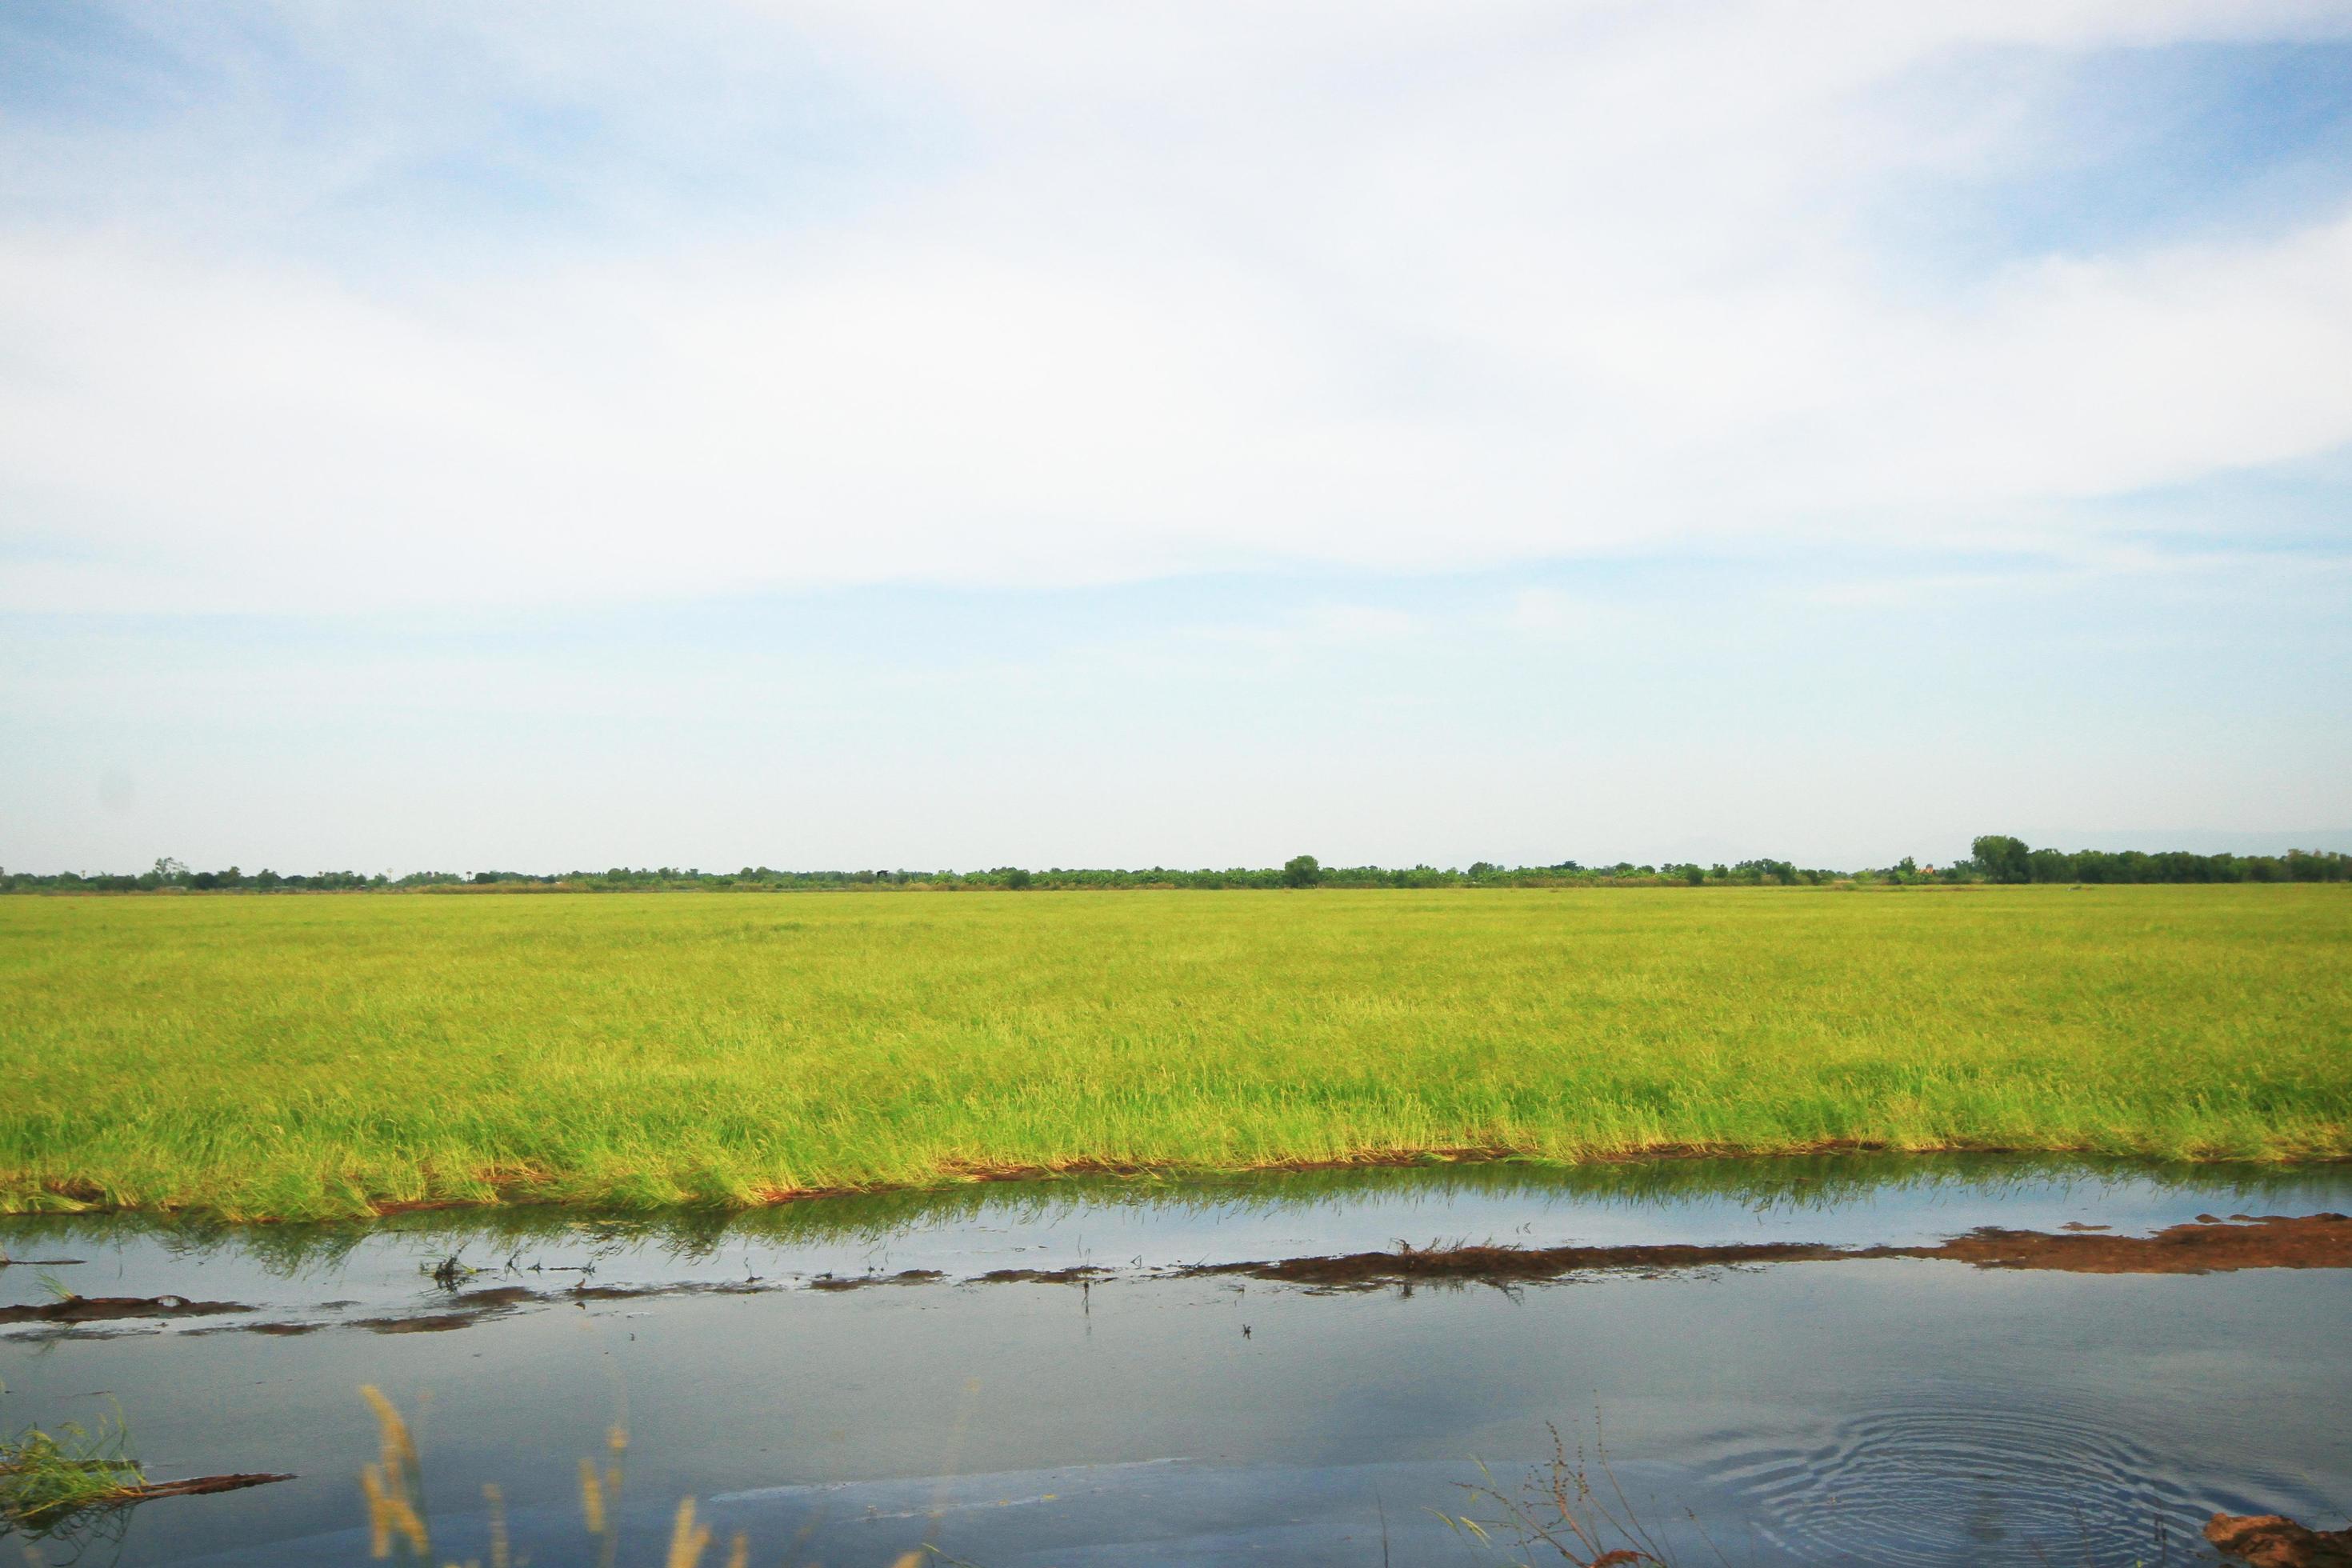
x: 317, y: 1057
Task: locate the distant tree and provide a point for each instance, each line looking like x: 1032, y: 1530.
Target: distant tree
x: 2002, y: 859
x: 1301, y: 871
x: 2051, y: 866
x: 1014, y: 877
x: 1483, y: 869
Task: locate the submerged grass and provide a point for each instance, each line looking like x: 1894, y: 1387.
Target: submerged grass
x: 47, y: 1479
x: 313, y: 1057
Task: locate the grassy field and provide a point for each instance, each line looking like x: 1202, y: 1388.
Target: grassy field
x: 308, y: 1055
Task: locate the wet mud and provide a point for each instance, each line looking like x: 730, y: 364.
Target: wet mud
x: 1499, y: 1265
x: 466, y: 1308
x: 859, y: 1282
x: 2272, y: 1540
x: 1081, y: 1275
x: 103, y: 1309
x: 2208, y: 1244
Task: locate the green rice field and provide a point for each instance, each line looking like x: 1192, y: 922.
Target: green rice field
x: 308, y: 1056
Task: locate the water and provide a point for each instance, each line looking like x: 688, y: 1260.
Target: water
x: 1890, y: 1411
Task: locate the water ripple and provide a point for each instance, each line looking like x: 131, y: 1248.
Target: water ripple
x: 1943, y: 1474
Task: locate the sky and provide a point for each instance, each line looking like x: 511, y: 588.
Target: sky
x: 937, y: 436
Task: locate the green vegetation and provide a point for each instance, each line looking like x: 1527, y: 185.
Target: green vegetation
x: 314, y: 1056
x: 1995, y: 858
x: 48, y: 1481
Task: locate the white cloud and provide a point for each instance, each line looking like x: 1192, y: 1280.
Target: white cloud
x: 1550, y: 615
x: 1320, y: 627
x: 1199, y: 288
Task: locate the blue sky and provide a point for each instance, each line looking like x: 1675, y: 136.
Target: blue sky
x: 931, y: 435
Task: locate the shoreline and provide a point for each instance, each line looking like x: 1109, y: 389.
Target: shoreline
x: 521, y: 1195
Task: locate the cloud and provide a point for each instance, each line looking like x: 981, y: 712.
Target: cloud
x: 1552, y: 614
x: 1320, y: 627
x: 1121, y: 295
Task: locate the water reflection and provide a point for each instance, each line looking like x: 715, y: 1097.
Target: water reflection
x: 1883, y: 1411
x: 1948, y: 1471
x: 1914, y: 1197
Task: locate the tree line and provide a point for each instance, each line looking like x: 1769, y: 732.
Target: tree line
x: 1994, y: 857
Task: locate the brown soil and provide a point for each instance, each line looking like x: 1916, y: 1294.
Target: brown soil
x: 99, y: 1308
x: 494, y: 1297
x: 2271, y: 1541
x: 1078, y: 1276
x: 859, y: 1282
x: 1508, y: 1265
x: 2206, y: 1246
x: 420, y: 1323
x: 469, y: 1307
x: 631, y: 1292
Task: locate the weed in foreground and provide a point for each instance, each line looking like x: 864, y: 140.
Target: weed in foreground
x: 397, y: 1521
x: 1560, y: 1513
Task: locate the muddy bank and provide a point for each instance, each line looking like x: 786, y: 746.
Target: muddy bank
x: 1504, y: 1265
x: 857, y: 1281
x: 2206, y: 1246
x: 468, y: 1307
x: 2271, y: 1541
x: 103, y: 1309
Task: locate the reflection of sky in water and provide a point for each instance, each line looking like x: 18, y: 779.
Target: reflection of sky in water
x: 1944, y: 1413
